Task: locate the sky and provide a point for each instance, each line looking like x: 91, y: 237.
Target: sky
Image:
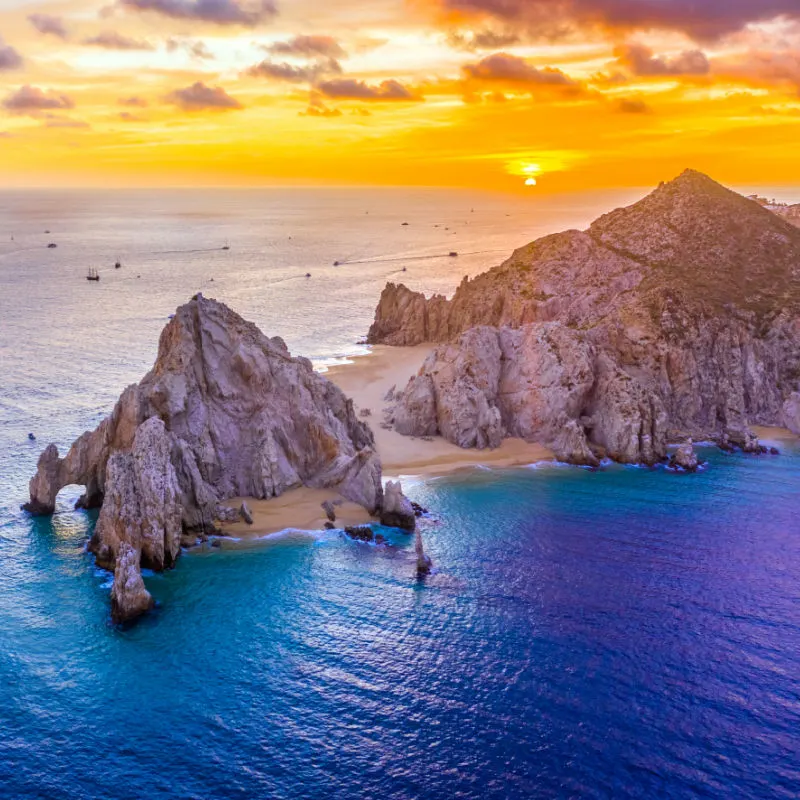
x: 509, y: 95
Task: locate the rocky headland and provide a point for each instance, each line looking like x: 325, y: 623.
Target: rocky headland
x: 226, y: 412
x: 676, y: 317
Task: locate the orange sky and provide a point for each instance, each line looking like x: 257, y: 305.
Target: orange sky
x: 528, y: 95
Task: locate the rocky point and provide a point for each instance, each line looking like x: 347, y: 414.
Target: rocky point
x: 676, y: 317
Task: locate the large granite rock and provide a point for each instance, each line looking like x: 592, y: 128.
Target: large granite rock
x: 677, y: 316
x: 225, y: 412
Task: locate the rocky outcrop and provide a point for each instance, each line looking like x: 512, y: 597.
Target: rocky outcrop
x: 129, y: 598
x: 397, y: 511
x: 791, y: 413
x: 685, y: 458
x: 225, y: 412
x: 678, y: 316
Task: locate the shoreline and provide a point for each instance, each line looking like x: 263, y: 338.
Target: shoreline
x: 366, y: 378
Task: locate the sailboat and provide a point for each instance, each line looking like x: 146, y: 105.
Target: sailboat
x: 92, y: 275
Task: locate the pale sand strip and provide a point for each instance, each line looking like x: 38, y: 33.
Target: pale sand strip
x: 367, y: 379
x: 774, y: 434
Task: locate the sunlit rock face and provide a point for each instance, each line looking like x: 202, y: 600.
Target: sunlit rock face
x: 225, y: 412
x: 677, y: 316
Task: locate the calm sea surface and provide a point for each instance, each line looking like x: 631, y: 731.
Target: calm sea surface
x: 622, y: 633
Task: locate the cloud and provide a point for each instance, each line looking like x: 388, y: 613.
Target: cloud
x: 48, y: 25
x: 32, y: 100
x: 111, y: 40
x: 308, y: 46
x: 482, y: 40
x: 9, y: 57
x: 293, y: 73
x: 324, y: 111
x: 195, y: 48
x: 218, y: 12
x: 641, y: 62
x: 61, y: 122
x: 199, y: 97
x: 513, y: 69
x: 632, y: 105
x: 126, y: 116
x: 763, y: 68
x: 350, y: 88
x: 134, y: 101
x: 700, y: 19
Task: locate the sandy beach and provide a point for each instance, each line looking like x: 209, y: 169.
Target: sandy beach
x: 367, y: 379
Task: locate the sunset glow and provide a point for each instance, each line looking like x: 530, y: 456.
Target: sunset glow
x: 562, y: 95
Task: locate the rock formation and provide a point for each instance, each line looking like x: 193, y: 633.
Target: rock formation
x: 677, y: 316
x: 685, y: 458
x: 397, y: 511
x: 225, y: 412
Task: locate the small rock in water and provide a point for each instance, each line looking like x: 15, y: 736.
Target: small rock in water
x: 31, y: 437
x: 397, y: 511
x: 329, y: 526
x: 684, y: 457
x: 773, y: 451
x: 361, y: 533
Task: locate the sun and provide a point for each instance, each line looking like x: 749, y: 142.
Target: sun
x: 530, y: 182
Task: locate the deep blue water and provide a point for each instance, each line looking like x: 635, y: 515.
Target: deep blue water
x: 624, y: 633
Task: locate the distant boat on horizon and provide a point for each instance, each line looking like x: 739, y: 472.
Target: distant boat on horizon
x: 117, y: 264
x: 92, y: 275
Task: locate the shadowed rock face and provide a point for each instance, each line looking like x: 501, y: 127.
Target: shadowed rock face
x: 678, y: 316
x: 225, y: 412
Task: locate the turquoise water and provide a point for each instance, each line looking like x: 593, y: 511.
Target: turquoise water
x: 624, y: 633
x: 620, y: 633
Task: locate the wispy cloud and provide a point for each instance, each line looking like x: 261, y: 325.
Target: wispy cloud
x: 350, y: 88
x: 218, y: 12
x: 48, y: 25
x: 111, y: 40
x: 9, y: 57
x: 31, y: 99
x: 199, y: 97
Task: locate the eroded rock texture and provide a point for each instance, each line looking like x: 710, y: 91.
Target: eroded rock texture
x: 678, y: 316
x: 225, y: 412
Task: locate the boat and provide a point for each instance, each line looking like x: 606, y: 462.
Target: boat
x: 226, y: 246
x: 52, y: 245
x: 92, y: 275
x: 117, y: 264
x: 31, y: 437
x: 308, y: 274
x: 336, y: 263
x: 452, y: 254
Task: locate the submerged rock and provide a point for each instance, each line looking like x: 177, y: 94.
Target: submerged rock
x: 678, y: 313
x: 225, y: 412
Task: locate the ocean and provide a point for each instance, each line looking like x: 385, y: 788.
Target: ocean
x: 625, y: 633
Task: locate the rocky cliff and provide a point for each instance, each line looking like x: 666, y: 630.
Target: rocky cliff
x: 225, y: 412
x: 677, y: 316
